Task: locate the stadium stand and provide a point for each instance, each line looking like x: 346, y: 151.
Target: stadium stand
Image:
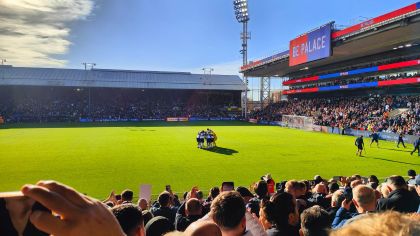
x: 362, y: 113
x: 62, y: 95
x: 367, y: 81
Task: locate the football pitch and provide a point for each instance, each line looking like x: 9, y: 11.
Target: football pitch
x: 98, y: 158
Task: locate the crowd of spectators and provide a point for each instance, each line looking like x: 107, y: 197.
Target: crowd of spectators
x: 362, y: 113
x: 45, y: 108
x: 353, y: 205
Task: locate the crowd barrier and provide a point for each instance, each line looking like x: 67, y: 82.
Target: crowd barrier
x: 335, y: 130
x: 168, y: 119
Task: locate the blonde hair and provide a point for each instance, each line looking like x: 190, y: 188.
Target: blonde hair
x: 383, y: 224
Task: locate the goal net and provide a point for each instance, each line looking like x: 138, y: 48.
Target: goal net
x: 298, y: 122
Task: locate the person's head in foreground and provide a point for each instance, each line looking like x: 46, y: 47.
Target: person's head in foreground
x: 280, y: 214
x: 388, y: 223
x: 228, y: 212
x: 364, y: 198
x: 130, y: 218
x: 158, y: 226
x: 203, y: 228
x: 315, y: 221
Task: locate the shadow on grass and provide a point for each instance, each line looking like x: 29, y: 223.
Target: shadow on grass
x: 124, y: 124
x: 222, y: 150
x: 384, y: 159
x: 394, y: 149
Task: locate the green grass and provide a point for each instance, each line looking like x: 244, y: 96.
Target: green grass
x: 98, y: 158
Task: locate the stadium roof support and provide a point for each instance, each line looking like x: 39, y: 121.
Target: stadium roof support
x: 265, y: 86
x: 117, y: 79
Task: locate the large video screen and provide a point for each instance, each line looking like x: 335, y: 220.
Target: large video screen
x: 311, y: 46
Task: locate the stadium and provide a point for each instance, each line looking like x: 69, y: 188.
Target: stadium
x: 134, y: 132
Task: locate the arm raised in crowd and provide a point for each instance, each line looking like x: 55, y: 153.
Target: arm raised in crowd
x: 79, y: 214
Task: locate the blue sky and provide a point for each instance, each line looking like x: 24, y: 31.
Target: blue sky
x: 176, y: 35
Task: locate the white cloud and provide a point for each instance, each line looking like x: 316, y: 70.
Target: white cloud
x: 32, y: 32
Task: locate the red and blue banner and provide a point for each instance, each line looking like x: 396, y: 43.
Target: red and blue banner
x: 355, y: 72
x: 311, y: 46
x: 373, y: 84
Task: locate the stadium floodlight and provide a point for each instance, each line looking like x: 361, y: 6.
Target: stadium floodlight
x: 242, y: 16
x: 241, y: 10
x: 3, y: 61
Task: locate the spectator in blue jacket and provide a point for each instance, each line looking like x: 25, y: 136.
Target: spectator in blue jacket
x: 364, y: 199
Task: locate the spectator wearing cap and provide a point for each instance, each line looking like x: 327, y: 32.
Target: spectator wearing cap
x: 130, y: 218
x: 411, y: 177
x: 399, y: 199
x: 163, y: 208
x: 364, y: 199
x: 188, y: 213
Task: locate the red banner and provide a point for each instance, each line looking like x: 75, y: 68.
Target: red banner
x: 399, y: 65
x: 399, y: 81
x: 306, y: 90
x: 375, y: 20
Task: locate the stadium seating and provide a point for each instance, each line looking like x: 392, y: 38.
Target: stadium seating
x: 362, y: 113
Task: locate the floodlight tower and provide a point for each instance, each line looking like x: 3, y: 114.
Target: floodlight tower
x: 241, y: 13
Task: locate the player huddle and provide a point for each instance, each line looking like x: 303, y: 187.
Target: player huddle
x: 209, y: 136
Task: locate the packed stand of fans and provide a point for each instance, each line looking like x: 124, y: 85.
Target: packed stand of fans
x: 71, y: 106
x: 353, y: 205
x: 362, y: 113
